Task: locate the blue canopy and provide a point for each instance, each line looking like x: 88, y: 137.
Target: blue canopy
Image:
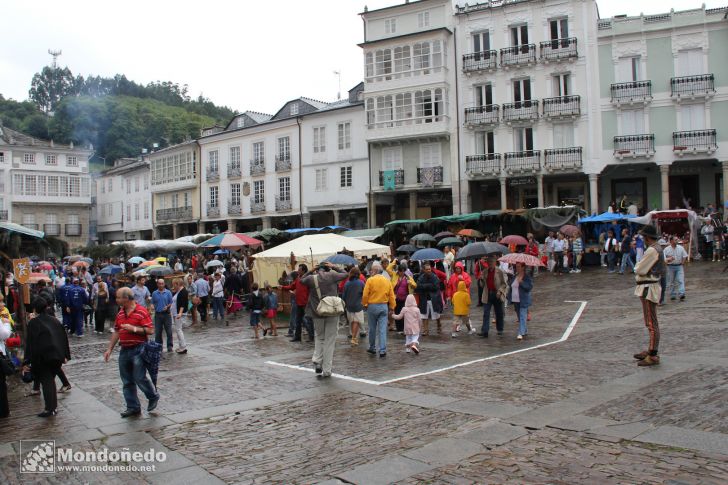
x: 303, y: 229
x: 605, y: 217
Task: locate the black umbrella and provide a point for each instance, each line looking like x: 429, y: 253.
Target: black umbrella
x: 450, y: 241
x: 480, y: 249
x: 423, y: 238
x: 407, y: 248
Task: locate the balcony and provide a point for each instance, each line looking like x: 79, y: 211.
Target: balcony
x: 233, y: 170
x: 52, y: 229
x: 3, y: 215
x: 174, y: 214
x: 483, y: 165
x: 631, y: 92
x: 257, y: 207
x: 559, y: 49
x: 283, y: 163
x: 562, y: 107
x: 430, y: 176
x: 480, y: 61
x: 634, y: 146
x: 73, y: 229
x: 562, y: 159
x: 213, y: 175
x: 520, y: 111
x: 691, y: 87
x: 482, y: 115
x: 213, y: 210
x: 695, y: 141
x: 522, y: 162
x: 398, y: 177
x: 257, y: 167
x: 423, y: 126
x: 283, y: 204
x: 518, y: 55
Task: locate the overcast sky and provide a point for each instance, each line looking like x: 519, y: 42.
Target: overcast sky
x: 247, y: 54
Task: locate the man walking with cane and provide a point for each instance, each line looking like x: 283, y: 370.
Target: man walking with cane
x: 649, y: 271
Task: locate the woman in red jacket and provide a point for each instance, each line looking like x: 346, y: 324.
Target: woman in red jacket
x: 458, y: 275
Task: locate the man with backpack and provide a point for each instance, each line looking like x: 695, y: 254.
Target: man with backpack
x: 74, y: 299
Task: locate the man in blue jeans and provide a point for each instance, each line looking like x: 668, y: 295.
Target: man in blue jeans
x: 131, y: 328
x: 675, y: 257
x: 378, y: 299
x: 162, y: 301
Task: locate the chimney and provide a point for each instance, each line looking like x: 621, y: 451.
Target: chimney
x: 70, y: 145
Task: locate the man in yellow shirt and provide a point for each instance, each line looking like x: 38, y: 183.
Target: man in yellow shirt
x: 378, y: 300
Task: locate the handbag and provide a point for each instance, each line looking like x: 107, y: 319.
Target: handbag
x: 6, y: 365
x: 329, y: 306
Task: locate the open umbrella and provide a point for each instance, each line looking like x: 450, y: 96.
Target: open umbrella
x: 36, y: 277
x: 343, y: 259
x: 73, y: 258
x: 79, y: 263
x: 231, y: 240
x: 407, y: 248
x: 523, y: 258
x: 480, y: 249
x: 136, y: 260
x: 428, y: 254
x: 214, y: 263
x: 514, y: 239
x: 87, y: 260
x: 221, y: 251
x: 470, y: 233
x: 160, y: 271
x: 450, y: 241
x: 443, y: 234
x: 423, y: 238
x: 111, y: 269
x: 568, y: 230
x: 44, y: 266
x: 147, y: 264
x: 160, y: 259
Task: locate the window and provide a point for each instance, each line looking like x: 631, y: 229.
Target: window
x: 213, y: 197
x: 430, y: 155
x: 384, y: 109
x: 235, y: 194
x: 403, y: 106
x: 421, y: 55
x: 344, y: 130
x: 72, y: 219
x: 428, y: 105
x: 383, y: 62
x: 371, y: 118
x: 103, y: 186
x: 559, y: 29
x: 259, y: 191
x: 136, y: 211
x: 369, y: 64
x: 294, y: 109
x: 483, y: 95
x: 175, y: 201
x: 128, y: 212
x: 484, y: 142
x: 51, y: 159
x: 102, y: 210
x: 74, y: 187
x: 391, y: 158
x: 402, y: 59
x: 111, y: 185
x: 319, y: 139
x: 212, y: 157
x: 522, y: 139
x: 186, y: 199
x: 259, y: 153
x: 629, y: 69
x: 690, y: 62
x: 521, y: 90
x: 28, y: 220
x: 146, y: 209
x: 284, y: 189
x: 563, y: 135
x: 390, y: 26
x: 423, y: 19
x: 51, y: 218
x: 72, y: 161
x: 481, y: 41
x: 240, y: 122
x: 284, y: 148
x: 53, y: 186
x: 2, y: 157
x: 633, y: 122
x: 562, y: 85
x: 321, y: 179
x: 235, y: 156
x: 346, y: 176
x: 136, y: 183
x: 692, y: 117
x: 29, y: 158
x: 519, y: 35
x: 128, y: 186
x: 146, y: 181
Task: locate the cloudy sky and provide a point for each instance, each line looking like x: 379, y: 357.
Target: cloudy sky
x: 247, y: 54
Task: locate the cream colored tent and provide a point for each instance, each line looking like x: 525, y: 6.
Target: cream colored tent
x: 270, y: 264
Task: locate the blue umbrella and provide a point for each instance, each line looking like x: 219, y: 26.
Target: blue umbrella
x: 221, y: 251
x: 87, y: 260
x: 136, y: 260
x: 429, y: 254
x: 343, y: 259
x: 111, y: 269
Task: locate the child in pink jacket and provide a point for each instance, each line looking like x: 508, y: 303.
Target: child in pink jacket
x: 411, y: 315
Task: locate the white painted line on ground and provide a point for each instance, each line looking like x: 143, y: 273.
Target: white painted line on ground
x: 564, y: 337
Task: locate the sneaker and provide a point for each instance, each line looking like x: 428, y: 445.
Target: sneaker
x: 318, y: 369
x: 484, y: 335
x: 520, y: 337
x: 64, y: 389
x: 650, y: 360
x: 457, y: 329
x: 472, y: 331
x: 642, y: 355
x: 362, y: 334
x: 453, y: 335
x: 408, y: 350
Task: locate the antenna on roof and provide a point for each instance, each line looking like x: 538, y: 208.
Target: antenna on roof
x: 55, y: 54
x: 338, y: 74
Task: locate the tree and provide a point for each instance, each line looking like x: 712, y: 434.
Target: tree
x: 51, y: 85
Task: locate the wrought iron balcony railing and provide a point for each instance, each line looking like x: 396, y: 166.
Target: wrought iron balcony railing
x: 257, y: 167
x: 559, y: 49
x: 701, y: 85
x: 631, y: 92
x: 174, y: 214
x: 562, y: 159
x: 562, y: 107
x: 213, y: 210
x: 525, y: 161
x: 283, y: 162
x: 486, y: 164
x: 283, y: 204
x: 256, y: 207
x: 213, y: 175
x: 233, y: 170
x: 398, y: 177
x: 480, y: 61
x: 703, y: 141
x: 520, y: 111
x: 634, y: 145
x: 234, y: 208
x: 430, y: 176
x: 482, y: 115
x: 518, y: 55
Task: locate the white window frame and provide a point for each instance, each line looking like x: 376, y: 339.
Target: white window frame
x: 146, y: 210
x: 29, y: 158
x: 521, y: 137
x: 213, y: 196
x: 319, y: 139
x: 284, y: 189
x: 234, y: 152
x: 240, y: 122
x: 390, y: 26
x: 293, y: 110
x: 72, y: 161
x: 51, y: 159
x: 423, y: 19
x: 344, y: 134
x: 259, y: 191
x: 391, y: 158
x: 284, y: 147
x: 430, y: 155
x: 561, y: 83
x: 213, y: 160
x: 322, y: 175
x: 136, y: 211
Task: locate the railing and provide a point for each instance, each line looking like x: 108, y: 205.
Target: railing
x: 174, y: 214
x: 213, y: 210
x: 558, y: 49
x: 256, y: 207
x: 520, y: 111
x: 233, y: 170
x: 257, y: 167
x: 634, y: 145
x: 212, y: 175
x: 52, y: 229
x: 234, y: 208
x: 398, y: 178
x: 562, y: 158
x: 630, y: 92
x: 563, y: 106
x: 517, y: 55
x: 3, y: 215
x: 480, y: 61
x: 487, y: 164
x: 35, y: 227
x: 695, y: 141
x: 423, y: 177
x: 692, y: 86
x: 283, y: 163
x: 283, y: 204
x: 482, y: 115
x: 525, y: 161
x: 73, y: 229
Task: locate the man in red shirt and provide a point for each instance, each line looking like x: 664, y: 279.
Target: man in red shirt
x: 131, y: 328
x: 301, y: 293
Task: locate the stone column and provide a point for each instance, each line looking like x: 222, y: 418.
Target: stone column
x: 306, y: 219
x: 539, y: 187
x: 594, y: 193
x: 201, y: 227
x: 503, y: 194
x: 371, y: 210
x: 665, y: 186
x: 175, y: 231
x: 413, y: 205
x: 266, y: 222
x: 232, y: 225
x: 725, y: 190
x: 337, y: 213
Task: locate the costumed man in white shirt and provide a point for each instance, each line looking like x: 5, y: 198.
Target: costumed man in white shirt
x: 647, y: 275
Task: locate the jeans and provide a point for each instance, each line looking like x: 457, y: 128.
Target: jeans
x: 676, y: 277
x: 218, y: 307
x: 497, y: 305
x: 626, y: 261
x: 301, y: 321
x: 134, y: 374
x: 377, y: 314
x: 292, y: 320
x: 522, y: 312
x: 163, y: 321
x: 575, y: 261
x: 612, y: 262
x: 178, y: 323
x: 323, y: 353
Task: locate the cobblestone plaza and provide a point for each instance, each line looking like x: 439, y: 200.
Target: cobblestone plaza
x: 236, y: 410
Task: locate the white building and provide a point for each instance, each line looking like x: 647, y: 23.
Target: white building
x: 45, y: 186
x: 124, y: 201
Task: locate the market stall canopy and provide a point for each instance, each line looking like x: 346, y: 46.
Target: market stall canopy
x: 472, y: 217
x: 365, y: 234
x: 12, y: 227
x: 606, y: 217
x: 270, y: 264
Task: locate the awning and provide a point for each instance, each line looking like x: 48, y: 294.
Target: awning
x: 12, y: 227
x: 605, y: 217
x: 473, y: 216
x: 404, y: 221
x: 365, y: 234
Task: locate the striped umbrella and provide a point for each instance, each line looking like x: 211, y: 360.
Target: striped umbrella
x: 515, y: 258
x: 231, y: 240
